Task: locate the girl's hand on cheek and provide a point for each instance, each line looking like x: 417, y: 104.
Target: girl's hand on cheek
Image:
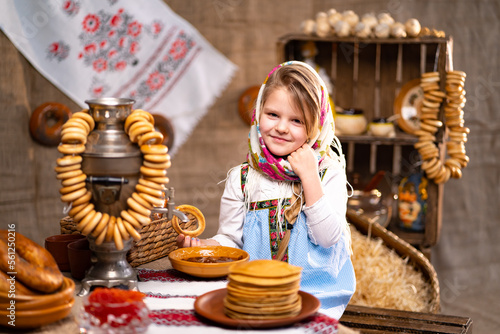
x: 303, y: 161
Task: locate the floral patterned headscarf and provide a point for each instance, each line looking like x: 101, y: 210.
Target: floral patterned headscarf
x: 278, y: 168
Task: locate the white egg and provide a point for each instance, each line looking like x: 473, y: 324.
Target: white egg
x: 413, y: 27
x: 308, y: 27
x: 382, y: 30
x: 342, y: 28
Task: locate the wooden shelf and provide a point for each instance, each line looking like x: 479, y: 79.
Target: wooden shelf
x: 368, y: 74
x: 399, y: 139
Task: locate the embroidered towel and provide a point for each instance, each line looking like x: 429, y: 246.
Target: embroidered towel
x: 121, y: 48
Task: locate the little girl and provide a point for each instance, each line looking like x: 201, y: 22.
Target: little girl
x: 288, y: 201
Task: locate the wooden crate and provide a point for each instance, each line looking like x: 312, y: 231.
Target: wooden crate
x: 376, y: 320
x: 368, y: 75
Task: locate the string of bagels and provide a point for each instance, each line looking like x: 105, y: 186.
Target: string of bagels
x: 453, y: 100
x: 149, y: 191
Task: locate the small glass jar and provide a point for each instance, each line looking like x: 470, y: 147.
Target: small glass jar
x: 371, y: 205
x: 114, y: 318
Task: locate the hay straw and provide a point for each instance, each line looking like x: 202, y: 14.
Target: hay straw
x: 386, y: 280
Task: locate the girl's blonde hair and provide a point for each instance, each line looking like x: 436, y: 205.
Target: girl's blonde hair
x: 303, y: 87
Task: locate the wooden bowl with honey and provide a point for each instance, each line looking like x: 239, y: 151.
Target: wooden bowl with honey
x: 206, y: 261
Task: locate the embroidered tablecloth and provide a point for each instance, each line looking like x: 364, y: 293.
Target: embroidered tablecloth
x: 171, y: 296
x: 121, y: 48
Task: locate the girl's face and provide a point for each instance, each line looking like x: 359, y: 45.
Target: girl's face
x: 282, y: 125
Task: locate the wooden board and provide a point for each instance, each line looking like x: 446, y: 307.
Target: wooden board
x: 378, y: 320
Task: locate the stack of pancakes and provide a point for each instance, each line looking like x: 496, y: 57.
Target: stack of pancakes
x: 263, y: 289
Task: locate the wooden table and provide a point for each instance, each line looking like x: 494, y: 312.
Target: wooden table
x: 356, y: 319
x: 377, y: 320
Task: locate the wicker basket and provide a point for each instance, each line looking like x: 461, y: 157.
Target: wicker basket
x: 404, y: 249
x: 157, y: 239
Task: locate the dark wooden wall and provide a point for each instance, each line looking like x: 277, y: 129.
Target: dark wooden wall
x: 466, y: 257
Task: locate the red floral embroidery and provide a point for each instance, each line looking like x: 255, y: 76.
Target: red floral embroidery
x: 91, y: 23
x: 134, y: 29
x: 110, y: 42
x: 134, y: 47
x: 58, y: 50
x: 178, y: 49
x: 100, y: 65
x: 155, y: 81
x: 121, y: 65
x: 71, y: 7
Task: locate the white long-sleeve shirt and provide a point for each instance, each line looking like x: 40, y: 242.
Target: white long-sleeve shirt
x: 326, y: 219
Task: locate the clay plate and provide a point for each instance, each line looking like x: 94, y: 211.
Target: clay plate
x: 210, y: 305
x: 41, y: 301
x: 39, y: 317
x: 408, y: 104
x: 177, y: 258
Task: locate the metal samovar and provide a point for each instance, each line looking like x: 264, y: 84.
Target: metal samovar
x: 112, y: 165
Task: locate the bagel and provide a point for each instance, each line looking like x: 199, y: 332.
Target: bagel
x: 157, y: 165
x: 87, y: 229
x: 134, y: 205
x: 133, y: 118
x: 161, y: 180
x: 131, y: 231
x: 145, y: 114
x: 101, y: 226
x: 141, y: 201
x: 139, y: 124
x: 198, y: 215
x: 154, y: 149
x: 46, y: 122
x: 140, y: 218
x: 83, y: 212
x: 74, y: 195
x: 102, y: 236
x: 151, y: 138
x: 69, y: 160
x: 140, y: 131
x: 148, y: 190
x: 156, y: 158
x: 85, y: 220
x: 20, y: 288
x: 69, y: 168
x: 429, y: 163
x: 151, y: 172
x: 117, y: 237
x: 111, y: 229
x: 77, y: 122
x: 74, y: 180
x: 152, y: 200
x: 35, y: 266
x: 86, y: 117
x: 74, y: 138
x: 84, y: 199
x: 151, y: 184
x: 125, y: 215
x: 71, y: 148
x: 74, y: 187
x: 121, y: 228
x: 75, y: 209
x: 69, y: 175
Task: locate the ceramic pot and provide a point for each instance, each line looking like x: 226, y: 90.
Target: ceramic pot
x: 350, y: 122
x: 57, y: 245
x: 80, y: 258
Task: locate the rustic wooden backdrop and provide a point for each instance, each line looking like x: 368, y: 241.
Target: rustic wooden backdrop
x: 466, y: 257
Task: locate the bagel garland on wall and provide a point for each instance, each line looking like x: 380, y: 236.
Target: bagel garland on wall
x: 455, y: 132
x: 149, y: 191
